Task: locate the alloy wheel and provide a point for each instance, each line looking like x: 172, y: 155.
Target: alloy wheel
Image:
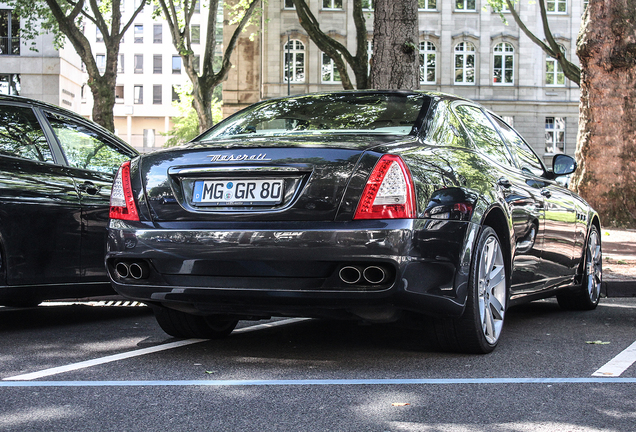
x: 491, y: 289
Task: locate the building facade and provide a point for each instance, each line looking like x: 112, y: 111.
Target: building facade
x: 149, y: 73
x: 35, y: 68
x: 465, y: 49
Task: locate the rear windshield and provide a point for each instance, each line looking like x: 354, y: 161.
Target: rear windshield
x: 372, y: 113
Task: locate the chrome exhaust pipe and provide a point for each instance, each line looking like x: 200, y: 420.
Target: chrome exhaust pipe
x: 138, y: 270
x: 374, y: 275
x: 122, y: 269
x: 350, y: 274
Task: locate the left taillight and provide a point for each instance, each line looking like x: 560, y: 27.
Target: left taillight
x: 389, y: 193
x: 122, y: 201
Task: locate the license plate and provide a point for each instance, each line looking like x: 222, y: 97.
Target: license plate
x: 238, y: 192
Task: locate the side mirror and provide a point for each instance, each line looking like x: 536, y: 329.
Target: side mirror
x: 563, y: 165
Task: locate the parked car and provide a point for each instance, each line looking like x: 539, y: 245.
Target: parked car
x: 56, y: 171
x: 373, y: 205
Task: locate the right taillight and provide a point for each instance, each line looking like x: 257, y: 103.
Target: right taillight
x: 122, y: 201
x: 389, y: 193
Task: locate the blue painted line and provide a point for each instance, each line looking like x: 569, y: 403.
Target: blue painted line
x: 317, y: 382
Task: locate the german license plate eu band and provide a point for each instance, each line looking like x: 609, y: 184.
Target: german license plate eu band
x: 237, y: 192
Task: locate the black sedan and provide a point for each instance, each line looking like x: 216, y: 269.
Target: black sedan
x: 56, y: 172
x: 375, y: 205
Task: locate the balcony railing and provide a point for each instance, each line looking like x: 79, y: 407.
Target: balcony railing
x: 9, y: 46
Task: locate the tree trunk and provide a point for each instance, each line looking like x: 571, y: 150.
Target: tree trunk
x: 606, y: 149
x: 395, y: 62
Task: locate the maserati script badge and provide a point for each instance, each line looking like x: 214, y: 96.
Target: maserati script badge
x: 239, y: 158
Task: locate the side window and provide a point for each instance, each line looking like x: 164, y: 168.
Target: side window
x: 528, y: 160
x: 21, y: 135
x: 484, y: 134
x: 444, y: 129
x: 85, y: 148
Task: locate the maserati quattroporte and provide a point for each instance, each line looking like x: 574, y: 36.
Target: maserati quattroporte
x: 372, y: 205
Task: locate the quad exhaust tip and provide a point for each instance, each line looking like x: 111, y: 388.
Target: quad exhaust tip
x: 374, y: 275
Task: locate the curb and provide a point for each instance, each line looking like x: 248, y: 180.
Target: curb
x: 620, y: 288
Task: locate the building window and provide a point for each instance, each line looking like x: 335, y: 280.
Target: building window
x: 288, y: 4
x: 100, y: 60
x: 428, y: 62
x: 556, y: 6
x: 465, y: 5
x: 332, y: 4
x: 157, y: 34
x: 175, y: 95
x: 504, y: 64
x: 156, y: 64
x: 554, y: 75
x: 10, y: 84
x: 119, y: 93
x: 427, y: 4
x: 196, y: 63
x: 120, y: 64
x: 99, y: 37
x: 9, y: 33
x: 156, y: 94
x: 195, y: 33
x: 139, y: 33
x: 367, y: 5
x: 464, y: 63
x: 139, y: 63
x: 176, y: 64
x: 554, y: 135
x: 139, y: 95
x: 329, y: 72
x: 197, y: 6
x: 294, y: 68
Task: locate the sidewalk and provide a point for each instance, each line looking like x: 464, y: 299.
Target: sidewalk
x: 619, y: 262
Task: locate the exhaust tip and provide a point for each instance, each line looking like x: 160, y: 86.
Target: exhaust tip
x: 350, y: 274
x: 374, y: 275
x: 138, y: 270
x: 122, y: 269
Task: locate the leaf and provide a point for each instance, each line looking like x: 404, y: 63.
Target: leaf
x: 210, y: 372
x: 597, y: 342
x: 400, y: 404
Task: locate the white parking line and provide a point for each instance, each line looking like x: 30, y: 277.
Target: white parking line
x: 319, y: 382
x: 139, y: 352
x: 618, y: 364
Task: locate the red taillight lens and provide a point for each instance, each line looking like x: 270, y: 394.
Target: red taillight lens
x: 389, y: 193
x: 122, y: 201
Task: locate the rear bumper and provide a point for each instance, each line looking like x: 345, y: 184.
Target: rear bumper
x: 294, y: 268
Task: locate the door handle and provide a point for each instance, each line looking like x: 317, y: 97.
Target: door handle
x: 89, y: 188
x: 504, y: 182
x: 546, y: 193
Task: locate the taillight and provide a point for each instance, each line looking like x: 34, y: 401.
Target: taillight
x: 389, y: 193
x: 122, y: 201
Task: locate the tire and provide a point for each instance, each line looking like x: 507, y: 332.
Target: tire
x: 478, y: 330
x: 587, y: 296
x: 183, y: 325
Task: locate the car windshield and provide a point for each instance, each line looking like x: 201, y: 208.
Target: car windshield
x: 366, y: 113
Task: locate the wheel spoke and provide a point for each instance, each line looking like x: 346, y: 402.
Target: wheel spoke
x: 497, y: 309
x: 497, y: 276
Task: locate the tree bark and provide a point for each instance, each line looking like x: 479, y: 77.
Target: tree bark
x: 606, y: 150
x: 395, y: 62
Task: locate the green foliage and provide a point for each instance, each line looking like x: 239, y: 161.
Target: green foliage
x: 186, y: 126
